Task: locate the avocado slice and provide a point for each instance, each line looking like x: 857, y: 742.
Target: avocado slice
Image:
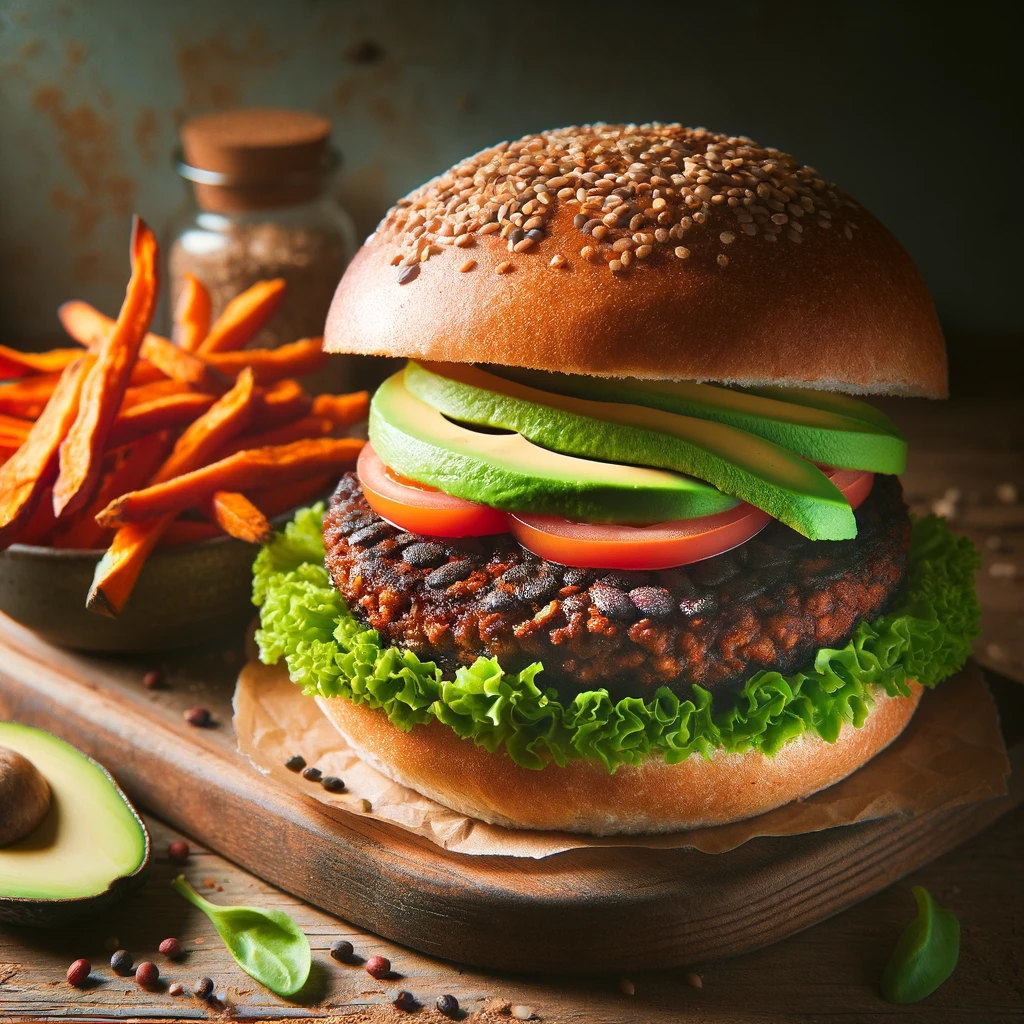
x: 764, y: 474
x: 506, y: 471
x: 90, y: 848
x: 821, y: 426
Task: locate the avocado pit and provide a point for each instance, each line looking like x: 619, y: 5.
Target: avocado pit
x: 24, y: 796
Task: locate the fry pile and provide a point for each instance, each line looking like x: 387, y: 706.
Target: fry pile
x: 128, y: 440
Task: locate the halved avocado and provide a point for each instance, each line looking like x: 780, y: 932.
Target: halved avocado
x: 735, y: 461
x: 90, y: 848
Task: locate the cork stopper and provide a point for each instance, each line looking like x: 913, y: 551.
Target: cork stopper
x: 255, y: 158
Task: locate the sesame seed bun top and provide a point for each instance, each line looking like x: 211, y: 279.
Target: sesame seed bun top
x: 652, y: 251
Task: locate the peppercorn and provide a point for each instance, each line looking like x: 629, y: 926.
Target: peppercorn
x: 403, y: 1000
x: 333, y: 784
x: 203, y: 988
x: 342, y: 951
x: 78, y: 972
x: 178, y: 850
x: 146, y: 974
x: 447, y: 1004
x: 295, y: 763
x: 378, y: 967
x: 312, y: 774
x: 152, y: 680
x: 121, y: 962
x: 199, y: 717
x: 171, y: 948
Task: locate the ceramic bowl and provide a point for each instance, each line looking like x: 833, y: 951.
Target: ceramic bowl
x: 186, y: 594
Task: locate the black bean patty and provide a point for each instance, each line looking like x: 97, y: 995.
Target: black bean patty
x: 770, y: 603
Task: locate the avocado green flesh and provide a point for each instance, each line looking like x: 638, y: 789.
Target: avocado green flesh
x: 89, y: 838
x: 828, y: 401
x: 736, y: 462
x: 507, y: 472
x: 839, y: 432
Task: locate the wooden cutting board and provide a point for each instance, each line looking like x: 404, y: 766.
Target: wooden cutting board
x: 585, y: 910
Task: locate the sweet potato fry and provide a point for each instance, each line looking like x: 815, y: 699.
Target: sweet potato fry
x: 273, y: 501
x: 105, y: 384
x: 27, y: 398
x: 238, y: 517
x: 344, y: 410
x: 39, y: 527
x: 286, y: 433
x: 162, y: 413
x: 31, y: 469
x: 90, y: 327
x: 280, y: 402
x: 244, y: 317
x: 255, y: 468
x: 124, y: 470
x: 191, y: 314
x: 14, y: 364
x: 119, y: 568
x: 271, y: 364
x: 8, y: 449
x: 146, y: 393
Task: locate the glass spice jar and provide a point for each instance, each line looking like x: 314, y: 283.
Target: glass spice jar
x: 260, y: 207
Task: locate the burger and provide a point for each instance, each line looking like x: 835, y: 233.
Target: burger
x: 623, y: 552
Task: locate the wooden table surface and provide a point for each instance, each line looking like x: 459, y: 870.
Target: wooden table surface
x: 964, y: 453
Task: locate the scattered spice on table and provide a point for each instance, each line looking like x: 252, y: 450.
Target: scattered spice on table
x: 121, y: 962
x: 171, y: 948
x: 176, y: 988
x: 152, y: 680
x: 199, y: 717
x: 178, y: 850
x: 295, y: 763
x: 312, y: 774
x: 203, y: 988
x: 147, y: 974
x: 403, y: 1000
x: 342, y: 951
x: 378, y: 967
x: 78, y: 972
x: 333, y: 784
x: 447, y: 1004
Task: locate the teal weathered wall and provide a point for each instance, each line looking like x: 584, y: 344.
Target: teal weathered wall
x: 915, y: 114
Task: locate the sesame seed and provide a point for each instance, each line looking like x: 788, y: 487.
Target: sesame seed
x: 727, y: 238
x: 626, y: 258
x: 682, y: 252
x: 722, y: 259
x: 588, y: 252
x: 615, y: 266
x: 643, y: 251
x: 558, y: 261
x: 468, y: 265
x: 503, y: 268
x: 407, y: 274
x: 463, y: 240
x: 622, y: 245
x: 523, y: 244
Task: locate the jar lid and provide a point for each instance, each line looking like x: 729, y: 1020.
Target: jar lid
x: 255, y: 157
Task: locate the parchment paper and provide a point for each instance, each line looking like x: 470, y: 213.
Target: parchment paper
x: 951, y: 753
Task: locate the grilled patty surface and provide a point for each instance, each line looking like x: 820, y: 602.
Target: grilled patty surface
x: 770, y: 603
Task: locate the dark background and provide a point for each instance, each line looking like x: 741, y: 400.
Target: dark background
x: 914, y: 109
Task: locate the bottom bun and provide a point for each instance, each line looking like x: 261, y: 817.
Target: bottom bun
x: 583, y: 797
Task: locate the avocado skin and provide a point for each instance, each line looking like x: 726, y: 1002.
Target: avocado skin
x: 808, y: 501
x: 40, y: 912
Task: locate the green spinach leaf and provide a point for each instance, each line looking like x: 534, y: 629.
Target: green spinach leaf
x: 925, y: 955
x: 268, y: 945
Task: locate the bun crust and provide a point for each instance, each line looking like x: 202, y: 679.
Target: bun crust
x: 703, y: 257
x: 583, y: 797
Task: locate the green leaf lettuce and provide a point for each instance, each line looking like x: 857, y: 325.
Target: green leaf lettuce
x: 925, y: 636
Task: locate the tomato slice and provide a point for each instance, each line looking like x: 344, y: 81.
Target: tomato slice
x: 663, y: 545
x: 420, y: 509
